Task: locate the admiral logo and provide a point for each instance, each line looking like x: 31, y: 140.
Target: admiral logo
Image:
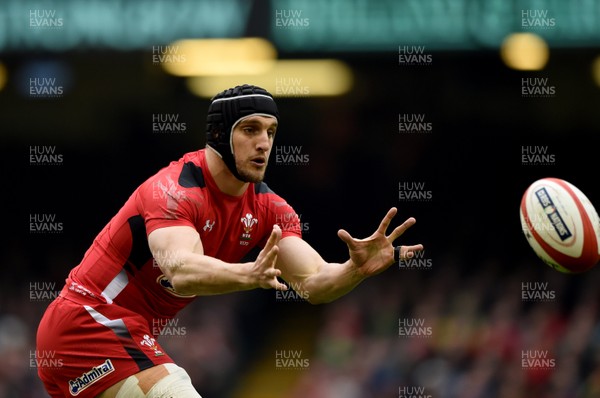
x: 553, y: 215
x: 87, y: 379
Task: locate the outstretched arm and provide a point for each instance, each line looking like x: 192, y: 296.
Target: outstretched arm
x: 306, y: 271
x: 179, y: 253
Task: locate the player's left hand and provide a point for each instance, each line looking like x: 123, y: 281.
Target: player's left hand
x: 376, y: 253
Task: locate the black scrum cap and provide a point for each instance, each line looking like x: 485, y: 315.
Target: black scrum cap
x: 227, y: 109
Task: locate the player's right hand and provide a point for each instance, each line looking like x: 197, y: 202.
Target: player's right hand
x: 263, y: 270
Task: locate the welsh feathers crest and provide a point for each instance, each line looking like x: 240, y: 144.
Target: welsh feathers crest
x: 249, y: 221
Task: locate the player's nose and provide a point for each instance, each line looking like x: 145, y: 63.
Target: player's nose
x: 263, y: 142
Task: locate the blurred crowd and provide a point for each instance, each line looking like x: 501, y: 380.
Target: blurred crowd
x: 480, y: 336
x: 477, y: 332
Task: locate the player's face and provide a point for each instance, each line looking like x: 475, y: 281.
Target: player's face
x: 252, y: 143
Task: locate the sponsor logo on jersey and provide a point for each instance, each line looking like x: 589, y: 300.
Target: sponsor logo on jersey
x: 248, y: 221
x: 166, y: 284
x: 151, y: 343
x: 88, y: 378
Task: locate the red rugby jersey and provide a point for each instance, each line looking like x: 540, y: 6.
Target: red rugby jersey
x: 119, y: 267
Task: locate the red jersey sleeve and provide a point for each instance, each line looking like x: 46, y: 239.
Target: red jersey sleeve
x: 164, y: 203
x: 285, y: 216
x: 288, y: 220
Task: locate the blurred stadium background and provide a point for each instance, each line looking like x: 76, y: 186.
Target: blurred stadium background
x: 447, y: 109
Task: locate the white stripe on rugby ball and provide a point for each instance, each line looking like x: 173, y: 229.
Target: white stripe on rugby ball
x: 561, y: 225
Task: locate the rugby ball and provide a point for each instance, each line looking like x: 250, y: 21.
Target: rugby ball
x: 561, y: 225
